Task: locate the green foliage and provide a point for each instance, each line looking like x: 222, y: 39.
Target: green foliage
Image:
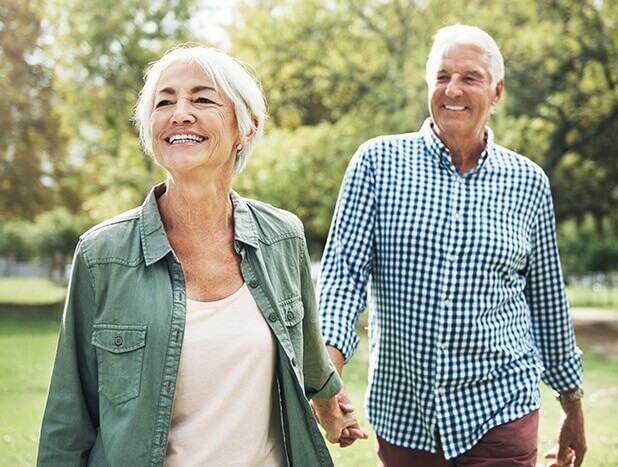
x: 335, y: 73
x: 15, y: 240
x: 31, y: 150
x: 583, y: 250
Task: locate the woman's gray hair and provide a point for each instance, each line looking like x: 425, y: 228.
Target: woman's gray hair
x: 226, y: 73
x: 468, y: 35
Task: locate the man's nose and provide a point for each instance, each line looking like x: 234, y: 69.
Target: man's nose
x: 183, y: 112
x: 453, y: 89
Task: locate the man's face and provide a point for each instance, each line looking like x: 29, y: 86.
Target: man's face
x: 461, y: 95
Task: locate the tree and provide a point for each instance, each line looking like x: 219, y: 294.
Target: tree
x: 31, y: 148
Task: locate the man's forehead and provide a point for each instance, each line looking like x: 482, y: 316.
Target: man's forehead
x: 465, y: 58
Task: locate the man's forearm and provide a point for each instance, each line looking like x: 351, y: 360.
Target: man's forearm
x: 336, y: 357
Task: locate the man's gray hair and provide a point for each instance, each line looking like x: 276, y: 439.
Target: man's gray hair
x: 467, y: 35
x: 226, y: 73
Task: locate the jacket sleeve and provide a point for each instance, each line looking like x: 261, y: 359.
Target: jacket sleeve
x: 321, y: 378
x: 347, y: 258
x: 545, y: 293
x: 70, y: 420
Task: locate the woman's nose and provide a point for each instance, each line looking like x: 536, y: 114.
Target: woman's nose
x: 183, y: 112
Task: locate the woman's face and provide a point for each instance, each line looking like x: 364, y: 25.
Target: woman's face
x: 193, y: 126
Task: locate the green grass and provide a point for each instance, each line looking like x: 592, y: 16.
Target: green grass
x: 30, y: 291
x: 27, y: 347
x: 595, y: 296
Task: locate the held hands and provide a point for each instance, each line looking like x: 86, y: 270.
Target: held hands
x: 336, y: 415
x: 571, y: 439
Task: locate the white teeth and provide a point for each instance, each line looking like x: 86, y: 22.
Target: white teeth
x: 185, y: 138
x: 454, y: 107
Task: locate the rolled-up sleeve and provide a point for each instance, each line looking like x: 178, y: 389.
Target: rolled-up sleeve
x: 70, y: 420
x: 545, y: 293
x: 348, y: 254
x: 321, y: 378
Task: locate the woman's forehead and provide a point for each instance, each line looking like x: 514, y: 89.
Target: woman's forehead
x: 184, y: 73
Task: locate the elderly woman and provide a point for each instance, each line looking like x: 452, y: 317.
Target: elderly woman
x: 190, y: 334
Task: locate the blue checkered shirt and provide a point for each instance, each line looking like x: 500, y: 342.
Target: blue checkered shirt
x: 468, y: 309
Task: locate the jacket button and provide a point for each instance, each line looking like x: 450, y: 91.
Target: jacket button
x: 253, y: 283
x: 118, y: 341
x: 290, y: 316
x: 272, y: 317
x: 294, y: 361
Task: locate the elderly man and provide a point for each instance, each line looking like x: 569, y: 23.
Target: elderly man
x: 468, y: 309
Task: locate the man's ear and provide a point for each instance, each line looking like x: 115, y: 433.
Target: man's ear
x: 498, y: 92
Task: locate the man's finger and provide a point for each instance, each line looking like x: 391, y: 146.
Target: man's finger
x: 355, y: 432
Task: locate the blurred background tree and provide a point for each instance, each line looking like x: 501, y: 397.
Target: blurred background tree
x: 335, y: 73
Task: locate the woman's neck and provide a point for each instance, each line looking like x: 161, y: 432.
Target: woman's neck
x: 196, y: 209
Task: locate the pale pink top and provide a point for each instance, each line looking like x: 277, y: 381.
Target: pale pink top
x: 226, y: 408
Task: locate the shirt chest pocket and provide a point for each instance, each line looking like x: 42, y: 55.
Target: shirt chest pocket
x: 293, y: 314
x: 120, y: 355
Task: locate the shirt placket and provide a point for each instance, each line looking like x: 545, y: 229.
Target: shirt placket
x: 453, y: 238
x: 172, y: 360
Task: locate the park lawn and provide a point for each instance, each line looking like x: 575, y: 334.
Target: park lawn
x: 30, y: 291
x: 26, y: 354
x: 27, y: 347
x: 595, y: 296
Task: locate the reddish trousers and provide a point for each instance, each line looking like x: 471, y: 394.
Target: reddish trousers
x: 513, y: 444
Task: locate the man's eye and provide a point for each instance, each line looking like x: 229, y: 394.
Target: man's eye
x: 162, y: 103
x: 442, y: 78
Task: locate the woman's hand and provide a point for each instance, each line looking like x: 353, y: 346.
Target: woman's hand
x: 336, y: 416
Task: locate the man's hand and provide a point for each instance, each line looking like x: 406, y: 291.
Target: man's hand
x: 571, y: 439
x: 336, y: 415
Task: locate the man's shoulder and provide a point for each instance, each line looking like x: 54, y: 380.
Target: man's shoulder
x: 518, y: 164
x: 385, y: 142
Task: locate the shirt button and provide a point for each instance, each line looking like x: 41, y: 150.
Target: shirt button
x: 253, y: 283
x: 118, y: 341
x: 458, y: 216
x: 447, y: 303
x: 451, y: 257
x: 294, y: 361
x: 440, y: 390
x: 442, y: 345
x: 272, y: 317
x: 290, y: 316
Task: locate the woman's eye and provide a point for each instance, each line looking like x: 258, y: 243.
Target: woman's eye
x: 162, y: 103
x: 203, y: 100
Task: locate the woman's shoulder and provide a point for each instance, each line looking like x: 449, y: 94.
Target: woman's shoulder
x: 274, y: 222
x: 113, y: 238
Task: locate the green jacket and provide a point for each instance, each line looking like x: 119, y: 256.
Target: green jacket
x: 112, y: 386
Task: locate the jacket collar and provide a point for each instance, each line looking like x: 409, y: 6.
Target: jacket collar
x: 155, y: 244
x: 442, y: 155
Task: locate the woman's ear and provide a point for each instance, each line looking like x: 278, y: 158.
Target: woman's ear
x: 245, y: 140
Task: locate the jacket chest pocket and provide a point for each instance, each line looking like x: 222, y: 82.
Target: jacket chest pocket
x: 120, y: 355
